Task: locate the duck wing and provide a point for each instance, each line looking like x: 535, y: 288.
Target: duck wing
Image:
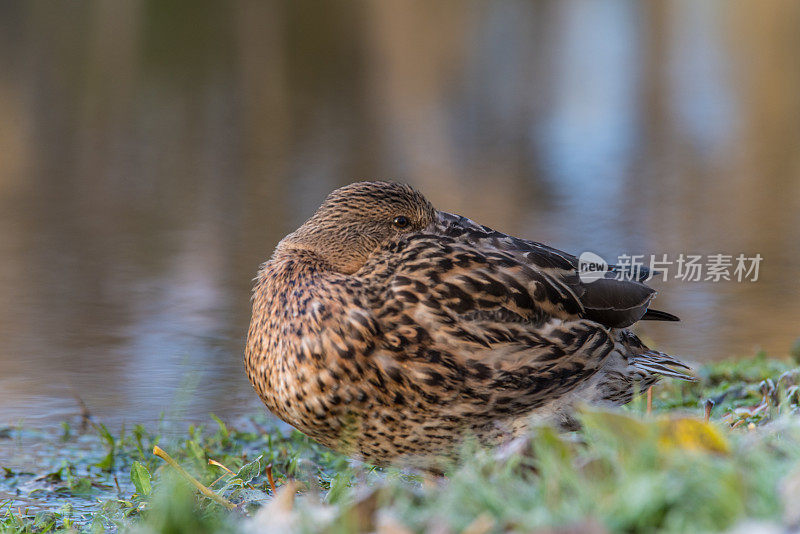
x: 473, y: 332
x: 476, y: 331
x: 617, y: 299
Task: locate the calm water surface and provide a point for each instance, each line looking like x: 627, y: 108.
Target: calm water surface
x: 151, y: 158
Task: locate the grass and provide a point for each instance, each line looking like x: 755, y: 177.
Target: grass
x: 625, y: 471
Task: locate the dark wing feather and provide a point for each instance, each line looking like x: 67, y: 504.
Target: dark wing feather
x: 658, y: 315
x: 614, y: 301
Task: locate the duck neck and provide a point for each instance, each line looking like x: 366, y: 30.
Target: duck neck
x: 301, y: 260
x: 327, y: 255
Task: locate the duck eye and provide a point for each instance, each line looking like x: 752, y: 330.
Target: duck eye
x: 400, y: 221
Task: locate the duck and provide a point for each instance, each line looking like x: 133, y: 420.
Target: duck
x: 391, y: 331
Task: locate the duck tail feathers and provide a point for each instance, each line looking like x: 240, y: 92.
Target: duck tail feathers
x: 655, y: 362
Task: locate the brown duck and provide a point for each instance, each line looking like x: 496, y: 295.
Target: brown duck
x: 388, y: 330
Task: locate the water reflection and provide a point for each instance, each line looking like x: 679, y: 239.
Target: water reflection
x: 153, y: 155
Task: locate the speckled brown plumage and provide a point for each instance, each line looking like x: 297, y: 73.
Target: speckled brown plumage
x: 388, y: 330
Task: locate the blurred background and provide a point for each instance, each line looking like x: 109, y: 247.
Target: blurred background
x: 152, y: 154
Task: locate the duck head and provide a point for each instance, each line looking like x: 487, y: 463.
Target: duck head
x: 356, y: 219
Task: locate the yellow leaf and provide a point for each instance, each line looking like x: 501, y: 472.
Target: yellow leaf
x: 691, y: 434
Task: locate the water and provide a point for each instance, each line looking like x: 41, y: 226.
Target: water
x: 153, y: 155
